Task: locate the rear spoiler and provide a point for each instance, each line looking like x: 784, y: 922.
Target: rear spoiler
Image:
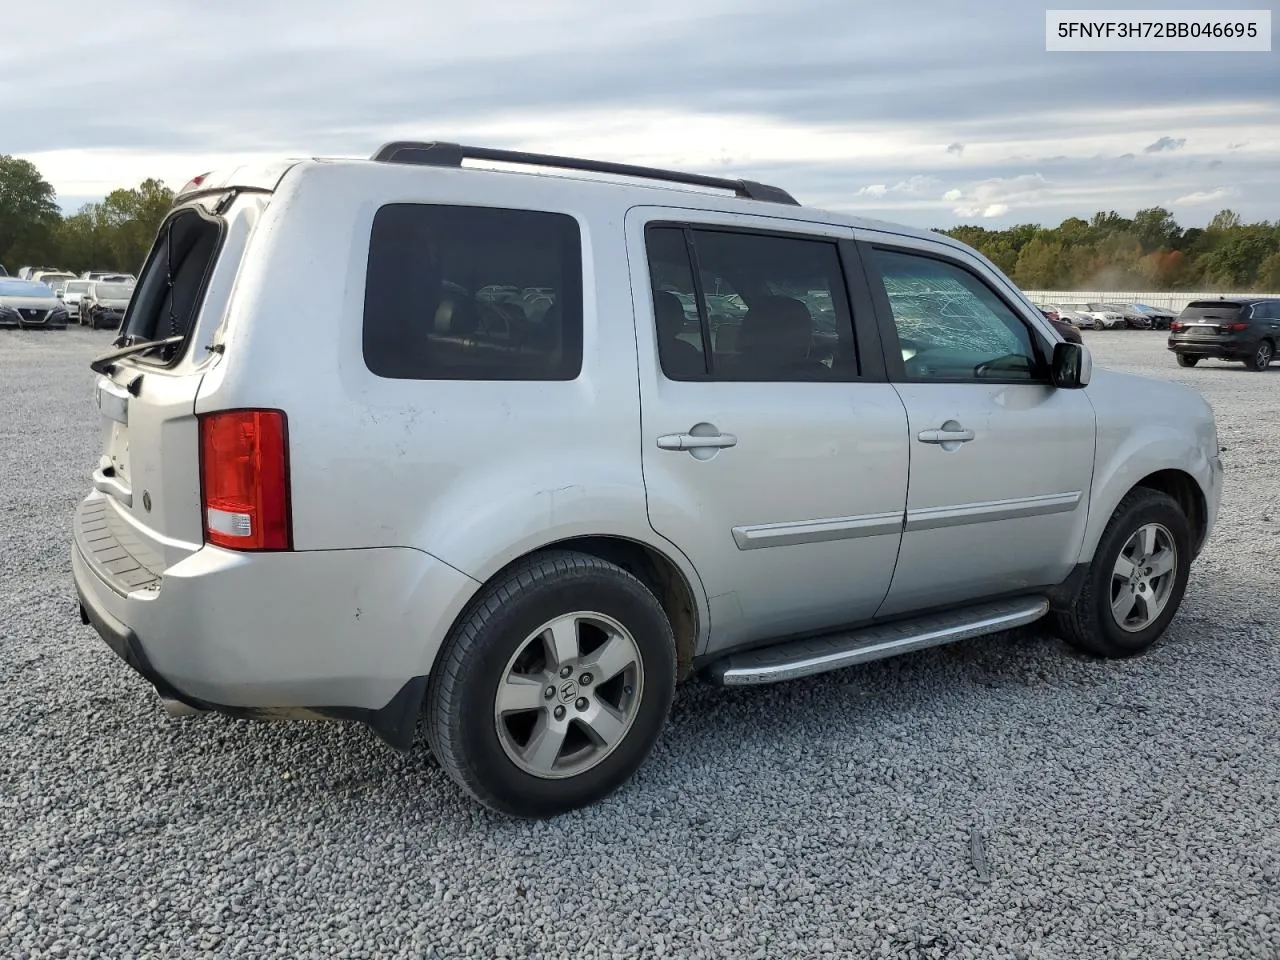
x: 255, y: 178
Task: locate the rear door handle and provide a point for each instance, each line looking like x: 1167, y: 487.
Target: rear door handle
x: 687, y: 441
x: 945, y: 436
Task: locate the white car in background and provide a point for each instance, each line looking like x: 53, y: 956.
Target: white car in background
x: 1072, y: 314
x: 51, y: 277
x: 72, y: 291
x: 1104, y: 316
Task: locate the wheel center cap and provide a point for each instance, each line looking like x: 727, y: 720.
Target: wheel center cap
x: 568, y: 691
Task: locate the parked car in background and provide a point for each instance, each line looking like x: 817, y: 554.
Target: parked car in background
x: 110, y: 276
x: 1069, y: 332
x: 51, y: 277
x: 1080, y: 319
x: 1104, y: 317
x: 3, y: 271
x: 311, y: 504
x: 1244, y: 329
x: 72, y: 291
x: 103, y: 304
x: 28, y: 304
x: 1160, y: 317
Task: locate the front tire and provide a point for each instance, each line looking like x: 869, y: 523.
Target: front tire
x: 1262, y: 357
x: 553, y: 687
x: 1185, y: 361
x: 1136, y: 580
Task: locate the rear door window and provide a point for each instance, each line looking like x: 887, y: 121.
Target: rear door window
x: 763, y: 307
x: 473, y: 293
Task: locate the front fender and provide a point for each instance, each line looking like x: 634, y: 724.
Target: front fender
x: 1126, y: 457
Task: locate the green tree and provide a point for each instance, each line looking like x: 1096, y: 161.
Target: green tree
x: 1103, y: 224
x: 132, y: 217
x: 29, y: 214
x: 1234, y: 264
x: 1041, y: 264
x: 1223, y: 221
x: 1269, y: 274
x: 1156, y: 229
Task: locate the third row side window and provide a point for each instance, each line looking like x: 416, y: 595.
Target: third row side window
x: 764, y: 307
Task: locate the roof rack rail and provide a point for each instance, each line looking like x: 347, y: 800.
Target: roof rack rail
x: 440, y: 154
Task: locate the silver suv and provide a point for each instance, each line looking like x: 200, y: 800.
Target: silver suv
x: 514, y: 452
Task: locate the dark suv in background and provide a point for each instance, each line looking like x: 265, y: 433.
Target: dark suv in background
x: 1244, y: 328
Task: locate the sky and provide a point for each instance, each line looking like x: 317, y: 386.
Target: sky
x: 930, y: 113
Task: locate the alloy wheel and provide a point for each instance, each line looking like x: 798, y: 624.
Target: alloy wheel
x: 1143, y: 576
x: 569, y: 695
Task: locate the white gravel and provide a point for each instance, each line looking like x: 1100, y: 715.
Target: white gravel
x: 1112, y: 809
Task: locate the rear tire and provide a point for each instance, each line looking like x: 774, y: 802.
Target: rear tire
x: 1185, y: 361
x: 1116, y: 585
x: 1262, y: 357
x: 571, y: 625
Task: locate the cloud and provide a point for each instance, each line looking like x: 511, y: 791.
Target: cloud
x: 1204, y: 196
x: 805, y: 94
x: 992, y: 210
x: 913, y: 186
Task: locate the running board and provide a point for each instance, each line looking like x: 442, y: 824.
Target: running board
x: 803, y: 658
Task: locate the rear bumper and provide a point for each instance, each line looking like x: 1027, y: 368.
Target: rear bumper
x: 1218, y: 348
x: 340, y: 634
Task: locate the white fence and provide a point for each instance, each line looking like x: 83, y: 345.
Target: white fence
x: 1170, y: 301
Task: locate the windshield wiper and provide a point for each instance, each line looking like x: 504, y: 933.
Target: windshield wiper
x: 107, y: 361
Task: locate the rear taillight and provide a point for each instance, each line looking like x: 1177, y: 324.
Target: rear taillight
x: 1177, y: 325
x: 244, y: 479
x: 1235, y: 327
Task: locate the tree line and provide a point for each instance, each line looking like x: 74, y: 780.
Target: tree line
x: 115, y: 234
x: 1149, y: 252
x: 1106, y: 252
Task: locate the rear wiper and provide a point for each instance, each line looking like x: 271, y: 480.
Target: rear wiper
x: 106, y: 362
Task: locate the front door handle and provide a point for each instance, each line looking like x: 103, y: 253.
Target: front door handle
x: 945, y: 436
x: 687, y: 441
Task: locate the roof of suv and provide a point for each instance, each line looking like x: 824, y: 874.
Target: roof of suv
x: 647, y: 185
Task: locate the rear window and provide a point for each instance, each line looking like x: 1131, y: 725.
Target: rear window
x: 473, y: 293
x: 113, y: 291
x: 1211, y: 310
x: 168, y: 295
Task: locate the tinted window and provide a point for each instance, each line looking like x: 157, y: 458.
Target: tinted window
x: 951, y: 325
x: 764, y: 307
x: 1211, y: 310
x: 473, y: 293
x: 112, y: 291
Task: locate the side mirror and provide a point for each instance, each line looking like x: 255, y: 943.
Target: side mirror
x: 58, y: 294
x: 1071, y: 366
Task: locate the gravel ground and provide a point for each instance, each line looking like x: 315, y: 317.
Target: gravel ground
x: 997, y: 798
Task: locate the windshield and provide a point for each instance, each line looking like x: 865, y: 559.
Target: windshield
x: 77, y: 286
x: 24, y: 288
x: 114, y: 291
